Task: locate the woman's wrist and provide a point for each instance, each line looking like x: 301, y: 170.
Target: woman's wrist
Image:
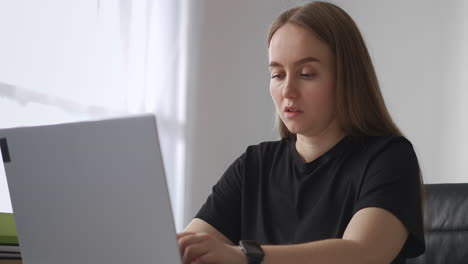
x: 242, y: 258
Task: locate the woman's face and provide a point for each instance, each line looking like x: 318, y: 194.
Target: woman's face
x: 302, y: 81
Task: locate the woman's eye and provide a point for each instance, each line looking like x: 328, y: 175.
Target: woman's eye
x: 277, y: 76
x: 308, y: 75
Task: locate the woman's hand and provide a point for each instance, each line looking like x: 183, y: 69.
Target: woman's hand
x: 203, y: 248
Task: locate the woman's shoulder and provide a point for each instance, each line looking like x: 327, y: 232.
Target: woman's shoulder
x: 267, y: 150
x: 268, y: 146
x: 380, y: 142
x: 374, y: 146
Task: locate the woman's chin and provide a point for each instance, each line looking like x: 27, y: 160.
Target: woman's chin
x: 294, y: 129
x: 297, y: 130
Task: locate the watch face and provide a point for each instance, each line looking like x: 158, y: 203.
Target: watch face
x: 252, y: 249
x: 256, y: 251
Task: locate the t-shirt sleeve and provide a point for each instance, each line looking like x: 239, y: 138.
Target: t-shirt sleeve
x: 222, y: 209
x: 392, y: 182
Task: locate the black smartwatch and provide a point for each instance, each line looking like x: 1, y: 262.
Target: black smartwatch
x: 252, y: 250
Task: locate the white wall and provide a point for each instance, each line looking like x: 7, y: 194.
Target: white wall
x: 420, y: 53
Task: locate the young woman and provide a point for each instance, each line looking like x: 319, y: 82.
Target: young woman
x: 341, y: 186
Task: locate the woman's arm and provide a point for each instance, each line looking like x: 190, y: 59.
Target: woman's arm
x: 373, y: 235
x: 202, y: 243
x: 199, y: 226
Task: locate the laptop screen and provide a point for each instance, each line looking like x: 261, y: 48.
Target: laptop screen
x: 91, y: 192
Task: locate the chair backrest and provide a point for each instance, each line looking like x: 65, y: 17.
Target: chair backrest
x: 446, y: 224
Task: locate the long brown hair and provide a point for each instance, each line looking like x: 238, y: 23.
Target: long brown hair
x: 360, y: 108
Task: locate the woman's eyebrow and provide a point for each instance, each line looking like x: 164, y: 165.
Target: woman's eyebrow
x: 299, y: 62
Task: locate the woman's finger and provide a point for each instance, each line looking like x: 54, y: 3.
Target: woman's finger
x: 188, y: 240
x: 194, y: 252
x: 196, y: 261
x: 180, y: 235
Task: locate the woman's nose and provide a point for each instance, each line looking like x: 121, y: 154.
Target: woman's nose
x: 289, y: 89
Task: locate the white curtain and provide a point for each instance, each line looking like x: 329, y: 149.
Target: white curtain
x: 65, y: 61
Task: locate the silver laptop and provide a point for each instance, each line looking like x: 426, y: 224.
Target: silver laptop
x: 90, y: 192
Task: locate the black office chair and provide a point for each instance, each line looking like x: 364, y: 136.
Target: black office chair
x: 446, y: 220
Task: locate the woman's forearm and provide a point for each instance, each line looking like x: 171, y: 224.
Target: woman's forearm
x: 331, y: 251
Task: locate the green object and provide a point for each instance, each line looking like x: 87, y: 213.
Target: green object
x: 8, y: 233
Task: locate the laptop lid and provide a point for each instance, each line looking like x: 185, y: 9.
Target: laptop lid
x: 90, y: 192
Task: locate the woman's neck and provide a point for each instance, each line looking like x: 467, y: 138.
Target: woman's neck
x: 311, y: 147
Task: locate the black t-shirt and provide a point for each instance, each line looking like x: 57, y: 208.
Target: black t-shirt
x: 271, y: 195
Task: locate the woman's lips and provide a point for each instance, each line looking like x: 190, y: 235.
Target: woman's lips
x: 292, y: 114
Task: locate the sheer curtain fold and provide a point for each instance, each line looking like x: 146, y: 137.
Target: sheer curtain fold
x: 153, y: 49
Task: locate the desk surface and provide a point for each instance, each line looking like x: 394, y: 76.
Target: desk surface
x: 10, y: 261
